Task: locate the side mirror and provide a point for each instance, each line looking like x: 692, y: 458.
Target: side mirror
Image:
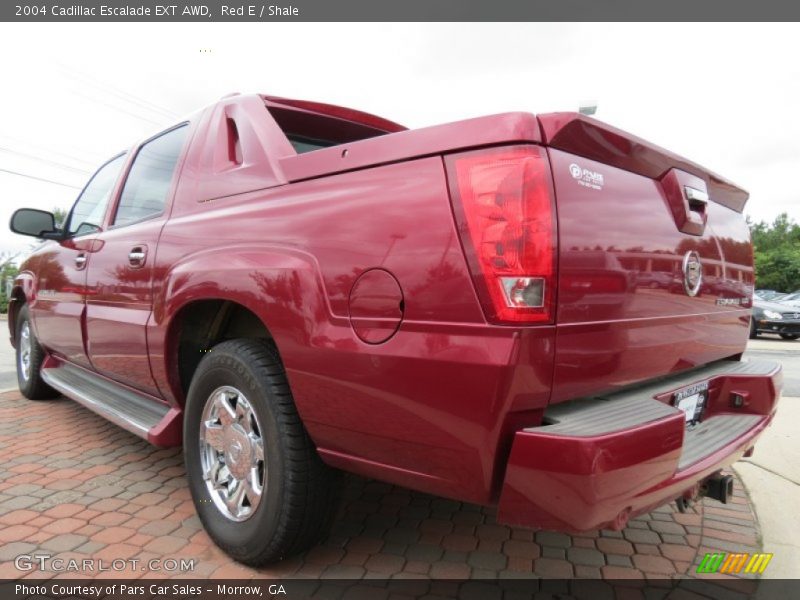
x: 35, y: 223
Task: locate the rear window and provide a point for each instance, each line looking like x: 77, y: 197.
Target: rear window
x: 308, y: 131
x: 303, y: 144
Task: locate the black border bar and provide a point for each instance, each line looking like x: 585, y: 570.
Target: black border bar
x: 384, y: 589
x: 598, y: 11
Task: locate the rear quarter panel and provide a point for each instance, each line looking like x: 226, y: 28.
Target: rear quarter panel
x: 426, y: 408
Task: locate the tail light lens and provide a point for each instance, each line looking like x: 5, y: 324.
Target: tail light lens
x: 503, y: 204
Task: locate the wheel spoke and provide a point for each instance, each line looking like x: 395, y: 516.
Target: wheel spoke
x: 227, y: 415
x: 234, y: 499
x: 253, y: 488
x: 247, y: 422
x: 211, y: 474
x: 258, y: 448
x: 243, y: 413
x: 213, y: 436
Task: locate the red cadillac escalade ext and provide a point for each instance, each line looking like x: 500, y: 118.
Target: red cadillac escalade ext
x: 539, y: 312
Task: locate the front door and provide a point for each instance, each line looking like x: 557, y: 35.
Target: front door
x: 61, y: 267
x: 120, y: 277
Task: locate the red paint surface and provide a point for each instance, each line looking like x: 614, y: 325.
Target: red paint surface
x: 583, y: 483
x: 376, y: 306
x: 438, y: 404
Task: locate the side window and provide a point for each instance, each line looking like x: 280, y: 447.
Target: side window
x: 150, y: 177
x: 90, y: 208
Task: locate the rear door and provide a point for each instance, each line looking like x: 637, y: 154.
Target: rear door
x: 653, y: 278
x: 61, y: 268
x: 120, y: 276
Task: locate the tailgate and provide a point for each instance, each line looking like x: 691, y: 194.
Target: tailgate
x: 655, y: 263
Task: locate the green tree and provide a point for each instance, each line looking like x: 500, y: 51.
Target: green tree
x: 776, y: 249
x: 61, y: 216
x: 8, y: 268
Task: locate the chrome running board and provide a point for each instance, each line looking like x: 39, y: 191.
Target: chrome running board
x: 127, y: 408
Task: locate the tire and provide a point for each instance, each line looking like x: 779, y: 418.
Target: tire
x: 296, y: 502
x: 789, y: 336
x: 29, y: 358
x: 753, y: 330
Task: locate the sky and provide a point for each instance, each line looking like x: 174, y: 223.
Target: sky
x: 723, y: 95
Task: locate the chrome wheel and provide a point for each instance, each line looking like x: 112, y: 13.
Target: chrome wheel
x: 25, y: 351
x: 232, y: 453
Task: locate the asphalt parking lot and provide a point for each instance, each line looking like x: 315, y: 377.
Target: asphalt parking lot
x: 73, y: 485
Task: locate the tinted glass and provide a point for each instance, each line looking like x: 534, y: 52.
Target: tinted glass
x: 90, y: 208
x: 302, y: 145
x: 320, y: 130
x: 150, y: 178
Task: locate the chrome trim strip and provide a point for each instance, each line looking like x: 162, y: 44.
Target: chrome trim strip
x: 696, y: 195
x: 94, y: 405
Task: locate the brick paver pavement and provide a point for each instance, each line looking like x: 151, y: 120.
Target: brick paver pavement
x: 73, y: 485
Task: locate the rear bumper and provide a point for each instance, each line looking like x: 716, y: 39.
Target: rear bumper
x: 604, y: 460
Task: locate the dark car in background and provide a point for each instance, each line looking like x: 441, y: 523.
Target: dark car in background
x: 774, y: 317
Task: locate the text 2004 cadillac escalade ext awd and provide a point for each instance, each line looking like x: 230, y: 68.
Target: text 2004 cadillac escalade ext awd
x: 545, y: 313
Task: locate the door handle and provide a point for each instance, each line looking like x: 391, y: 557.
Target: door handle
x: 698, y: 200
x: 696, y: 197
x: 137, y: 257
x: 687, y: 199
x: 80, y: 261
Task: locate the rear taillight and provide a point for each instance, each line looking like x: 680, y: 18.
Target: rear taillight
x: 503, y: 203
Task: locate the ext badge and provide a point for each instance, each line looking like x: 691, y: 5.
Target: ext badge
x: 692, y: 273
